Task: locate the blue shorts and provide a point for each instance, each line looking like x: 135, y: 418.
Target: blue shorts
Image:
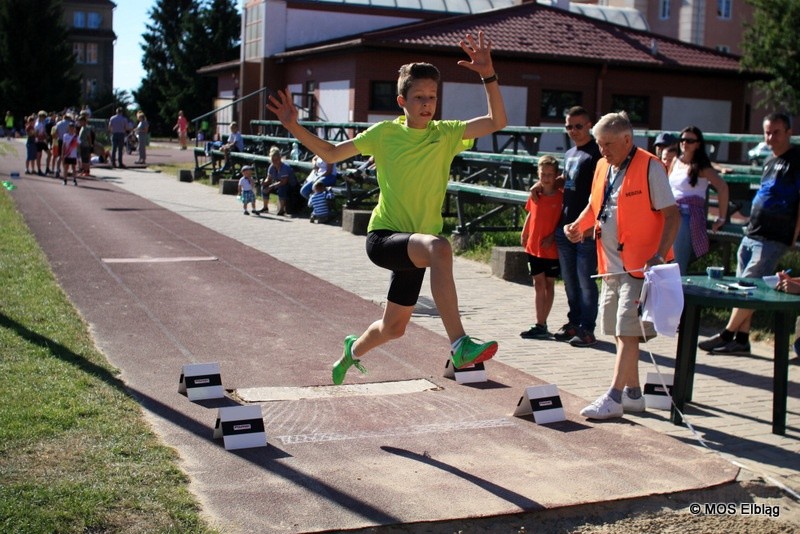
x: 248, y: 197
x: 758, y: 258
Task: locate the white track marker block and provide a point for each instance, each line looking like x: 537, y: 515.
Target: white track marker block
x: 201, y: 381
x: 466, y: 375
x: 544, y: 402
x: 654, y: 394
x: 240, y: 427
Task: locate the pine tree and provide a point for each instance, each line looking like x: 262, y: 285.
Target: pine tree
x: 161, y: 46
x: 223, y: 28
x: 184, y: 35
x: 36, y: 60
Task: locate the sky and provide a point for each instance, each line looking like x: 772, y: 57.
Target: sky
x: 130, y: 17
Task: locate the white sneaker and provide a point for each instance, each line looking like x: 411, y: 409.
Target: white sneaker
x: 604, y: 407
x: 630, y: 405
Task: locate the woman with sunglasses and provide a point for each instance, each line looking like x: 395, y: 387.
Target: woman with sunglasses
x: 690, y: 174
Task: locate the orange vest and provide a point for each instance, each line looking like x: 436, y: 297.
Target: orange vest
x: 639, y: 226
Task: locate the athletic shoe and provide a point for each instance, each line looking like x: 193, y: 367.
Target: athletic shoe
x: 537, y: 331
x: 733, y: 347
x: 343, y: 364
x: 470, y: 353
x: 583, y: 339
x: 604, y: 407
x: 712, y: 343
x: 566, y: 332
x: 630, y: 405
x: 246, y: 212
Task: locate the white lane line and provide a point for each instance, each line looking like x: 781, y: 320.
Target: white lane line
x: 415, y: 430
x: 159, y: 260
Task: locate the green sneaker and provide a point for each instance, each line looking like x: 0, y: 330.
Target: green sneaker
x: 343, y: 364
x: 469, y: 352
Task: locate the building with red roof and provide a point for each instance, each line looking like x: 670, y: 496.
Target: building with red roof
x: 340, y: 60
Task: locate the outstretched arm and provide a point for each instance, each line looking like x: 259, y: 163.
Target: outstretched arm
x: 480, y: 55
x: 285, y: 110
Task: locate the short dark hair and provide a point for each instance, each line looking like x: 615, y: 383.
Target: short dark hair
x: 777, y: 116
x: 575, y: 111
x: 411, y: 72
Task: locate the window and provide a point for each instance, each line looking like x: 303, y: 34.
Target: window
x: 637, y: 107
x: 79, y: 19
x: 556, y: 103
x: 724, y: 8
x: 383, y: 96
x: 663, y: 9
x: 91, y: 88
x: 309, y: 106
x: 254, y: 31
x: 94, y: 20
x: 91, y: 53
x: 80, y: 52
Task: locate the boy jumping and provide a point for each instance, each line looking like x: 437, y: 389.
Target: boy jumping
x: 412, y: 155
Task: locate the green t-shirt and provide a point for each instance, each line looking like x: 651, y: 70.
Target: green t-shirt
x: 413, y: 168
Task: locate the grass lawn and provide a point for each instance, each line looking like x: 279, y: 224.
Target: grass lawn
x: 76, y: 454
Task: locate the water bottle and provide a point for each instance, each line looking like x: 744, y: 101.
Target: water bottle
x: 295, y: 152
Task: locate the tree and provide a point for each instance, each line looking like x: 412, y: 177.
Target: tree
x: 184, y: 35
x: 771, y: 44
x: 223, y: 27
x: 161, y: 45
x: 36, y: 60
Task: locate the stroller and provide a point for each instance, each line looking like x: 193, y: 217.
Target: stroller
x: 131, y: 143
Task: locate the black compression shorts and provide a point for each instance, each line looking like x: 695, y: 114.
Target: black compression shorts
x: 389, y: 249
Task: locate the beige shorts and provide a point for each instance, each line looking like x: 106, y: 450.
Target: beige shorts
x: 619, y: 303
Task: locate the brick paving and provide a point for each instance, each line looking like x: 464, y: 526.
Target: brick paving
x: 732, y: 394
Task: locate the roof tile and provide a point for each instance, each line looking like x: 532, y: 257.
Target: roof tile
x: 540, y: 31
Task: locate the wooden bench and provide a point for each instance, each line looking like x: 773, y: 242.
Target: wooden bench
x: 497, y: 198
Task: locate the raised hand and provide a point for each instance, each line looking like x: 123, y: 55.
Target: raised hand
x: 282, y: 107
x: 480, y: 54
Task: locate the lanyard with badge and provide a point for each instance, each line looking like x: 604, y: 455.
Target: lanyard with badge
x: 611, y: 178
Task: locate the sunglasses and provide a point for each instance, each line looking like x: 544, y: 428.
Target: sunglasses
x: 569, y: 127
x: 689, y: 141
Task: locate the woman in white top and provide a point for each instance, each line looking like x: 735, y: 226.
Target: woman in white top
x: 690, y: 174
